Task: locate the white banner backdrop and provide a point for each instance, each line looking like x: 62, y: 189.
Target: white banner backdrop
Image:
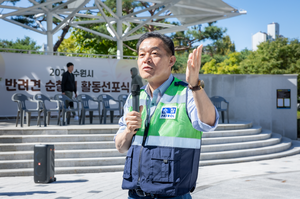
x: 33, y: 74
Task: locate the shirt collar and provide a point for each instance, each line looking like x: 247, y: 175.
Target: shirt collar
x: 162, y: 88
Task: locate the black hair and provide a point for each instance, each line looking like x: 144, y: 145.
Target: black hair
x: 70, y: 64
x: 169, y: 45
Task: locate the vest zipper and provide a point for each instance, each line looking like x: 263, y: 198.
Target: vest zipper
x: 139, y: 168
x: 143, y: 143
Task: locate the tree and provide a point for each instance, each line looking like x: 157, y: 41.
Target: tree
x: 184, y: 40
x: 210, y: 67
x: 281, y: 56
x: 68, y: 45
x: 223, y: 59
x: 229, y: 64
x: 181, y: 61
x: 224, y: 46
x: 24, y: 44
x: 30, y: 20
x: 245, y: 53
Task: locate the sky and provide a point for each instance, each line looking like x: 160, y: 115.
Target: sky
x: 240, y: 29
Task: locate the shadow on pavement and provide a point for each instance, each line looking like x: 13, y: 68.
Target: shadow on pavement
x: 25, y: 193
x: 68, y: 181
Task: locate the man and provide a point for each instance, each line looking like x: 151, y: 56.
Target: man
x: 136, y: 79
x: 68, y: 86
x: 164, y: 139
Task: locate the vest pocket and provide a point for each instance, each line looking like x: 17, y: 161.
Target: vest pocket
x: 165, y: 165
x: 128, y: 164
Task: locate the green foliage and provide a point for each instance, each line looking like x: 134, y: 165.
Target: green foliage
x: 182, y: 57
x: 30, y: 21
x: 24, y: 44
x: 210, y: 67
x: 281, y: 56
x: 84, y: 42
x: 224, y: 46
x: 184, y: 40
x: 229, y: 64
x: 274, y: 57
x: 245, y: 53
x: 68, y: 45
x: 219, y: 58
x: 181, y: 61
x: 205, y: 58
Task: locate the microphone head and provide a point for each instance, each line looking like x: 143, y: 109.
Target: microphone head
x: 135, y: 89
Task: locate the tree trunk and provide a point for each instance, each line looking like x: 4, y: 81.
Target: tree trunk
x: 61, y: 38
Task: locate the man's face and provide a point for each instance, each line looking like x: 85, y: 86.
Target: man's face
x: 71, y: 68
x: 154, y: 61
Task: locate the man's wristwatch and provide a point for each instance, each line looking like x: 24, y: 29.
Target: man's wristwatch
x: 199, y: 86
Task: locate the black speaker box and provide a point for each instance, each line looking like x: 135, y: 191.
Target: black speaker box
x: 44, y: 163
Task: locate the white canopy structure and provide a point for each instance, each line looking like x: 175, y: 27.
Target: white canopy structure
x: 188, y: 12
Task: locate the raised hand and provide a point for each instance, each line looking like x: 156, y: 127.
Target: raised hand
x: 193, y: 66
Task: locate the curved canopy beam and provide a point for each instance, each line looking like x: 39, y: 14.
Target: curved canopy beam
x: 189, y: 13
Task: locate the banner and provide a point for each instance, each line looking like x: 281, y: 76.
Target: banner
x: 34, y: 74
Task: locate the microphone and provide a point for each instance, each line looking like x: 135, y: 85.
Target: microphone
x: 135, y: 91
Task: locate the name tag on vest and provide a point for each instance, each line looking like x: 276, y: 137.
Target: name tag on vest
x: 168, y: 112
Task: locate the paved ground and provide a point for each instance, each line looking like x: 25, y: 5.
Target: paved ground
x: 277, y: 178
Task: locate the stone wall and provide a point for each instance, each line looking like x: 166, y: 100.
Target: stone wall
x: 253, y: 98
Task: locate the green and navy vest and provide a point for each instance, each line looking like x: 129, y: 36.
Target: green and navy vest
x: 164, y: 155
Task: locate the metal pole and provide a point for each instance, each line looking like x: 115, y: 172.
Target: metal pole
x: 49, y: 31
x: 119, y: 30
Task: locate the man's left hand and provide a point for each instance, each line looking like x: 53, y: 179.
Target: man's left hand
x: 193, y: 66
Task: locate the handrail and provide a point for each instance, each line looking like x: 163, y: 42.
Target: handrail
x: 10, y: 50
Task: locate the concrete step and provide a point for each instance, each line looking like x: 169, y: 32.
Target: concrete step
x: 265, y: 134
x: 59, y: 146
x: 74, y: 162
x: 234, y: 125
x: 275, y: 139
x: 229, y: 133
x: 110, y: 137
x: 283, y: 145
x: 93, y: 129
x: 108, y: 144
x: 85, y: 153
x: 101, y: 161
x: 61, y: 130
x: 56, y: 138
x: 294, y: 149
x: 59, y: 154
